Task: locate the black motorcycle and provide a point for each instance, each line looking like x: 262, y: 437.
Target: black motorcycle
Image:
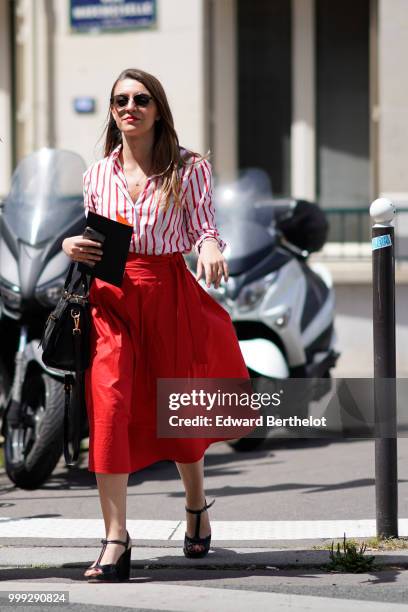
x: 45, y: 204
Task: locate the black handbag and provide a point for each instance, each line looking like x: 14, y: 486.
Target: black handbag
x: 65, y: 343
x: 65, y: 340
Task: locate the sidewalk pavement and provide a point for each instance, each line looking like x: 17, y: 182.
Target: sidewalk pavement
x: 61, y: 542
x: 284, y: 575
x: 144, y: 596
x: 241, y: 555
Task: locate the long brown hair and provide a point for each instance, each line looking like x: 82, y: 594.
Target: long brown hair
x: 167, y: 158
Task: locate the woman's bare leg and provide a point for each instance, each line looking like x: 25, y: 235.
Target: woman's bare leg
x: 112, y: 496
x: 192, y: 475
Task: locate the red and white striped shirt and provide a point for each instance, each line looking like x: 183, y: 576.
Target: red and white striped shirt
x: 155, y: 232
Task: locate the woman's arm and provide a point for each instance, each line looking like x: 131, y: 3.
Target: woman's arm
x: 211, y: 264
x: 82, y: 249
x: 200, y: 219
x: 79, y: 248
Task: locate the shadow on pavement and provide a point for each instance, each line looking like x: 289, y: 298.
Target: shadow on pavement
x: 216, y: 465
x: 249, y: 564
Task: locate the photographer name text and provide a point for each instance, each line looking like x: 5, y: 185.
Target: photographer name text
x: 259, y: 421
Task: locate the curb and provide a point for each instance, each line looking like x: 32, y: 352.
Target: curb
x: 165, y: 558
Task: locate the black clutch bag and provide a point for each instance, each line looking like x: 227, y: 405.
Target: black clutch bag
x: 65, y: 343
x: 117, y: 236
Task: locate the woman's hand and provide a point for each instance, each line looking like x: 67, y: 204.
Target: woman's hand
x: 82, y: 249
x: 211, y: 264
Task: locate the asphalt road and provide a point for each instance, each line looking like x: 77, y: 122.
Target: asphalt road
x: 301, y: 480
x: 285, y: 480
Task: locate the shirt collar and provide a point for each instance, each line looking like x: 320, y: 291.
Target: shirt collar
x: 116, y: 152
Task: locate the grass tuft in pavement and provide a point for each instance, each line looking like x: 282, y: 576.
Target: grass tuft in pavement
x: 351, y: 559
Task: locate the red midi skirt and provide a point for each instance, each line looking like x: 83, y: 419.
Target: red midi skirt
x: 159, y: 324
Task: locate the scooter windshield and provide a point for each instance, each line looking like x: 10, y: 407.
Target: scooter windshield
x: 248, y: 198
x: 45, y: 196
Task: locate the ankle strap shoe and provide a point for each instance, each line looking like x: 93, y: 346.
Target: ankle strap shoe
x: 191, y: 543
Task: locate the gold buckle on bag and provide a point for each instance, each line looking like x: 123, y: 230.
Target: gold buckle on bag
x: 76, y: 315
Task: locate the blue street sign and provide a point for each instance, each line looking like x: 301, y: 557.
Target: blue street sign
x: 380, y: 242
x: 84, y: 104
x: 112, y: 14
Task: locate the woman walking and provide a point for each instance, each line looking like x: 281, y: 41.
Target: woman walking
x: 160, y: 323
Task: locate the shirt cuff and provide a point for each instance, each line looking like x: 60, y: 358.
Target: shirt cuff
x: 221, y: 244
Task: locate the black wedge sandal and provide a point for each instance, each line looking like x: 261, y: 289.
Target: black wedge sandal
x: 189, y: 543
x: 113, y: 572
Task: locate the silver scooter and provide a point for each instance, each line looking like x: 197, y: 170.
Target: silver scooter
x: 281, y: 306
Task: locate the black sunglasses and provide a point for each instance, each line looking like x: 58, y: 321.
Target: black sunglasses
x: 122, y: 100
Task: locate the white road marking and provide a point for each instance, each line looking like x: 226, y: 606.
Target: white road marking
x: 174, y: 530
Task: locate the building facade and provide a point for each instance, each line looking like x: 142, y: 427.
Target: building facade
x: 313, y: 92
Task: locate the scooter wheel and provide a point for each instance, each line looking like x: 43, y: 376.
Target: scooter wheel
x: 32, y: 448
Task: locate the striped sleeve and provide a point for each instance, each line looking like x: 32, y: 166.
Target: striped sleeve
x: 87, y: 188
x: 200, y: 211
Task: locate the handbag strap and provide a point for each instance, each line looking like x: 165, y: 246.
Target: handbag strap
x: 74, y: 405
x: 69, y: 275
x: 70, y: 458
x: 73, y: 408
x: 84, y: 279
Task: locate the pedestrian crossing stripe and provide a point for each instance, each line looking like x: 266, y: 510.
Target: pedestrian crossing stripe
x: 173, y: 530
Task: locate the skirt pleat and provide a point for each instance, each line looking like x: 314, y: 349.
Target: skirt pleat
x: 159, y: 324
